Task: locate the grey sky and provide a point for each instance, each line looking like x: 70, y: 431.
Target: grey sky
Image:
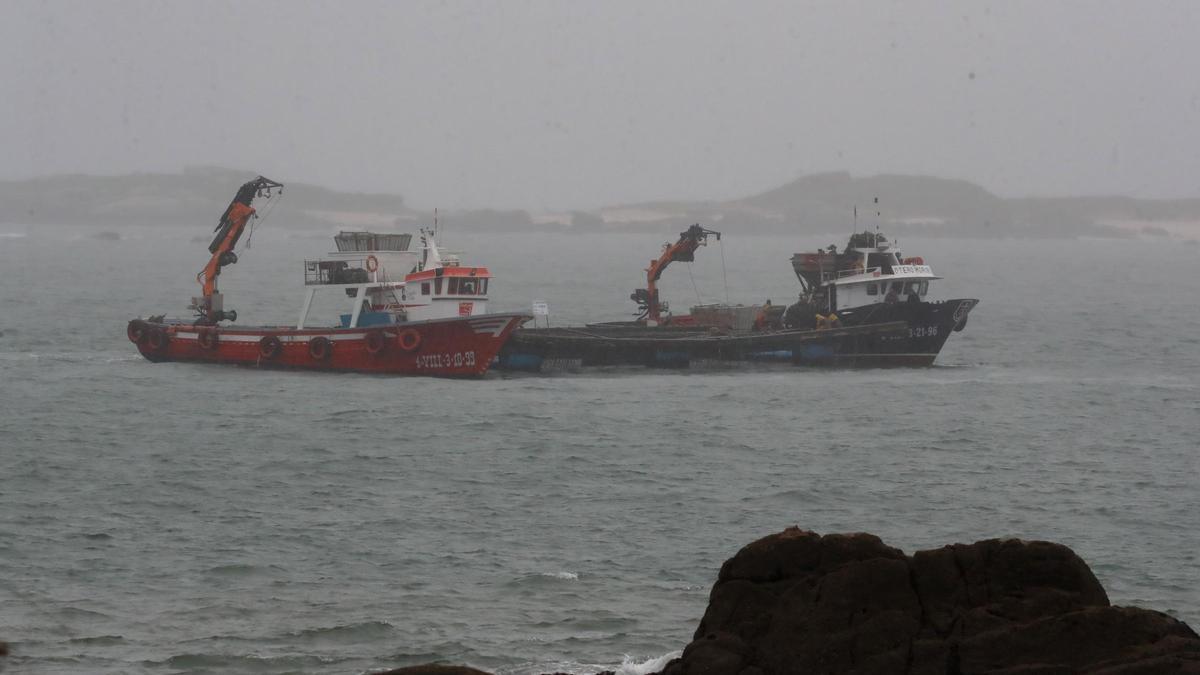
x: 578, y: 104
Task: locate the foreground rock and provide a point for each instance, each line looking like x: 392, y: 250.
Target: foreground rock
x: 799, y: 602
x: 805, y: 604
x: 432, y: 669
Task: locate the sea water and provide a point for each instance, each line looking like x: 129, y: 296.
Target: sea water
x: 167, y: 518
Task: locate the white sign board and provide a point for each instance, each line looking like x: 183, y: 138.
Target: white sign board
x: 541, y: 309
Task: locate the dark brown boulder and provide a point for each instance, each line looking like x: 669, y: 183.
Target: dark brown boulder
x: 798, y: 602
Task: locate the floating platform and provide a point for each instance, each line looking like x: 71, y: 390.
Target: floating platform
x: 600, y: 345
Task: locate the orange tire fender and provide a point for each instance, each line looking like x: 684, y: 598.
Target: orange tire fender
x: 410, y: 339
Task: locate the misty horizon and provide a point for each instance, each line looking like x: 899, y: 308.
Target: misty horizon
x: 414, y: 201
x: 548, y: 106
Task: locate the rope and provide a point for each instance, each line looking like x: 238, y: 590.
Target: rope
x: 694, y: 286
x: 254, y: 224
x: 724, y: 276
x: 246, y: 246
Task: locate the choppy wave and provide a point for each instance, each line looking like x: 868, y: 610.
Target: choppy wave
x: 243, y: 569
x: 68, y: 357
x: 562, y: 576
x: 245, y: 663
x: 546, y: 579
x: 629, y: 665
x: 73, y: 613
x: 349, y: 633
x: 99, y: 640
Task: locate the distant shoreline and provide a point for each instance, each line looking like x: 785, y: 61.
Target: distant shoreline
x: 810, y: 205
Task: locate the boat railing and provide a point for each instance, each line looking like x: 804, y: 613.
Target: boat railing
x: 340, y: 271
x: 352, y: 242
x: 852, y: 272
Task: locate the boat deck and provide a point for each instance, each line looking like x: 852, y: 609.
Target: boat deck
x: 608, y: 345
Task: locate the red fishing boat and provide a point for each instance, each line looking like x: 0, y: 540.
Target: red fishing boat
x: 427, y: 317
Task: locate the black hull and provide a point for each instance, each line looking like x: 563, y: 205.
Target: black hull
x: 928, y: 326
x: 559, y: 349
x: 894, y: 335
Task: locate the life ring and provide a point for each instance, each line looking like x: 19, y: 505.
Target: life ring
x: 375, y: 342
x: 319, y: 348
x: 136, y: 331
x: 207, y: 338
x: 372, y: 263
x: 410, y: 339
x: 269, y: 347
x: 157, y: 339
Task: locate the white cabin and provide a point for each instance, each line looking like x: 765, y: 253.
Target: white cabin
x: 871, y: 276
x: 387, y: 283
x: 442, y: 287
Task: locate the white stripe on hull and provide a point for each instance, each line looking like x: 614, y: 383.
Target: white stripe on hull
x: 283, y: 337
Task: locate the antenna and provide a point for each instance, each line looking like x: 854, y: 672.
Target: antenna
x: 878, y: 217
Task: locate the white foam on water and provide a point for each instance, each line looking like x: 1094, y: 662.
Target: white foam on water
x: 565, y: 576
x: 629, y: 666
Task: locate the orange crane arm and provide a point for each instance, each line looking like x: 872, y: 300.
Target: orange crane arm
x: 229, y: 230
x: 683, y: 250
x: 238, y: 215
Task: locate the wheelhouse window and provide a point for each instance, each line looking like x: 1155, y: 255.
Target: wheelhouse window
x: 872, y: 289
x: 437, y: 286
x: 459, y: 286
x: 425, y: 288
x: 881, y: 260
